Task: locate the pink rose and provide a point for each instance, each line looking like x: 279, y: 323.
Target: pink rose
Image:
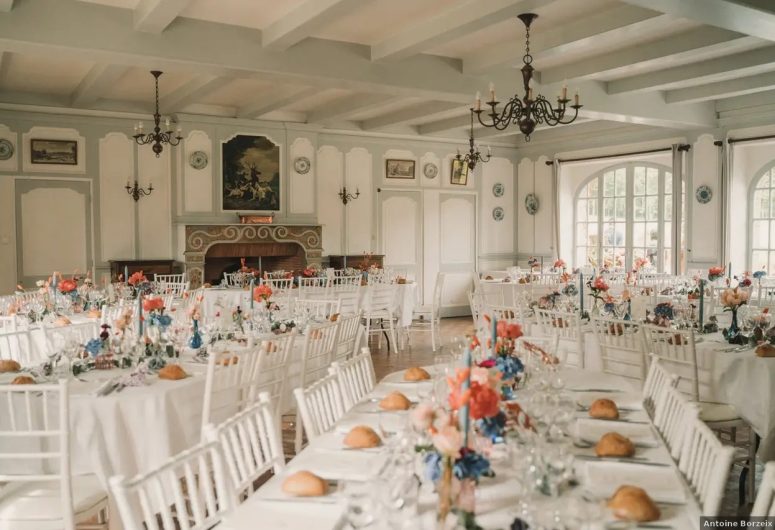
x: 480, y: 375
x: 448, y: 441
x: 422, y: 416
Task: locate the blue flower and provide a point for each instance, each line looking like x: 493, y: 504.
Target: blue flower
x: 507, y: 393
x: 472, y: 465
x: 94, y: 346
x: 759, y: 274
x: 664, y: 310
x: 509, y: 366
x: 432, y: 463
x: 570, y: 290
x: 492, y: 427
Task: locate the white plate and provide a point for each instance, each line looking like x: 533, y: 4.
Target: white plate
x: 662, y: 483
x: 589, y: 429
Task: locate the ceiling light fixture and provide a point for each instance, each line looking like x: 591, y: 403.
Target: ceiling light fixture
x: 157, y: 137
x: 529, y: 111
x: 474, y: 155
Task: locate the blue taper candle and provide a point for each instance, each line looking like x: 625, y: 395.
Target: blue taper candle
x: 252, y: 280
x: 464, y: 413
x: 581, y: 292
x: 494, y: 334
x: 702, y: 304
x: 126, y: 275
x: 139, y: 315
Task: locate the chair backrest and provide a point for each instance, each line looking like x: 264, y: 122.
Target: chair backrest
x: 765, y: 499
x: 251, y: 443
x: 380, y: 298
x: 35, y: 434
x: 170, y: 278
x: 280, y: 286
x: 319, y: 350
x: 677, y: 354
x: 190, y: 489
x: 111, y: 313
x: 356, y: 377
x: 320, y: 405
x: 175, y: 289
x: 542, y: 349
x: 277, y: 275
x: 315, y: 288
x: 705, y: 463
x: 378, y: 277
x: 567, y: 327
x: 346, y: 283
x: 349, y: 301
x: 673, y: 415
x: 316, y: 309
x: 657, y: 379
x: 231, y: 384
x: 475, y: 304
x: 438, y: 290
x: 273, y: 359
x: 350, y: 331
x: 231, y: 279
x: 57, y: 336
x: 18, y: 346
x: 621, y: 347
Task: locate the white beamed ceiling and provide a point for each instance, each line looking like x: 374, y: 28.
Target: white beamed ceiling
x: 403, y: 66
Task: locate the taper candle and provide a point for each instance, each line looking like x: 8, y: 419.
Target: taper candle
x: 126, y: 274
x: 702, y: 304
x: 464, y: 412
x: 139, y: 315
x: 252, y: 280
x: 581, y: 293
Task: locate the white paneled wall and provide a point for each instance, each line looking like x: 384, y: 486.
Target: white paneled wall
x: 358, y: 213
x: 330, y: 212
x: 401, y: 230
x: 301, y: 200
x: 154, y: 216
x: 497, y: 237
x: 117, y: 167
x: 197, y: 183
x: 704, y: 250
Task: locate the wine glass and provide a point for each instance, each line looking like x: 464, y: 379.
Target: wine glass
x: 360, y: 505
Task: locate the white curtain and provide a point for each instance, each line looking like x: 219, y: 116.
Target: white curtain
x: 726, y: 154
x: 556, y: 205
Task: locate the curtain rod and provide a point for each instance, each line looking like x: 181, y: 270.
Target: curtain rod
x: 681, y: 147
x: 750, y: 139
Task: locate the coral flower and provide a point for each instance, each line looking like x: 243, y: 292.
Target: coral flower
x: 67, y: 286
x: 136, y: 278
x: 151, y: 304
x: 484, y: 402
x: 600, y: 284
x: 508, y: 330
x: 262, y: 292
x: 457, y: 396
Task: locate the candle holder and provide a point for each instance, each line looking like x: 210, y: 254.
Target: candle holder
x: 137, y: 191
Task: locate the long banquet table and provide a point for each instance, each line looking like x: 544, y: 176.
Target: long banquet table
x: 496, y: 497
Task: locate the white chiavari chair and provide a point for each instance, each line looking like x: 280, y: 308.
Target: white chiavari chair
x: 657, y: 379
x: 314, y: 288
x: 281, y: 289
x: 378, y: 277
x: 38, y: 491
x: 251, y: 443
x: 316, y: 309
x: 475, y: 304
x: 8, y: 324
x: 273, y: 358
x: 492, y: 293
x: 538, y: 349
x: 231, y: 384
x: 432, y: 324
x: 18, y: 346
x: 379, y: 306
x: 277, y: 275
x: 320, y: 406
x: 621, y: 348
x: 110, y: 314
x: 349, y: 301
x: 175, y: 289
x: 170, y: 278
x: 764, y: 505
x: 356, y: 377
x: 319, y: 352
x: 341, y: 284
x: 231, y: 279
x: 705, y: 463
x: 673, y: 415
x: 56, y: 337
x: 190, y: 492
x: 350, y: 335
x: 567, y: 327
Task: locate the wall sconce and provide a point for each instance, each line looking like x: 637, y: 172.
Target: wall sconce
x: 348, y: 197
x: 136, y: 191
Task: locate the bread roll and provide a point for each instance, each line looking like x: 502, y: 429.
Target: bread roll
x: 172, y: 372
x: 614, y: 444
x: 334, y: 317
x: 227, y: 359
x: 603, y: 409
x: 94, y: 313
x: 633, y: 504
x: 415, y: 373
x: 62, y: 321
x: 616, y: 329
x: 23, y: 380
x: 765, y: 350
x: 305, y: 484
x: 362, y: 437
x: 9, y: 365
x: 395, y: 401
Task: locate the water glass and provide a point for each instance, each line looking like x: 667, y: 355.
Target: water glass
x: 360, y: 510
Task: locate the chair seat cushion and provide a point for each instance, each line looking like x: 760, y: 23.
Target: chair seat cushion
x: 37, y: 505
x: 710, y: 412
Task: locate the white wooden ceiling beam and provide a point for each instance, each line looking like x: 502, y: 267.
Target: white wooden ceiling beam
x: 304, y: 21
x: 153, y: 16
x: 750, y: 17
x: 348, y: 106
x: 199, y: 87
x: 713, y: 70
x: 724, y: 89
x: 409, y: 114
x: 685, y: 47
x: 614, y: 23
x: 5, y: 64
x: 6, y: 5
x: 447, y: 124
x: 449, y: 24
x: 95, y: 83
x: 270, y: 104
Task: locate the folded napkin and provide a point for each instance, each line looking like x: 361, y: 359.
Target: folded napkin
x: 283, y: 515
x: 603, y: 478
x: 591, y: 430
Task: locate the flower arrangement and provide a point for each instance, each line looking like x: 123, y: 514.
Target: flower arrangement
x: 640, y: 263
x: 598, y: 289
x: 760, y: 274
x: 714, y: 273
x: 732, y: 299
x: 195, y: 312
x: 504, y: 360
x: 367, y: 262
x: 139, y: 284
x: 155, y: 309
x: 559, y: 264
x: 263, y: 293
x: 137, y: 278
x: 533, y: 263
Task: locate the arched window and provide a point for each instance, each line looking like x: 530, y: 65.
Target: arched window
x: 763, y: 221
x: 624, y: 212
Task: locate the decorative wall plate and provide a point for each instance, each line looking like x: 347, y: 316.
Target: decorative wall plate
x: 302, y: 165
x: 198, y: 159
x: 6, y: 149
x: 531, y: 203
x: 430, y: 170
x: 703, y: 194
x: 498, y: 214
x: 498, y: 189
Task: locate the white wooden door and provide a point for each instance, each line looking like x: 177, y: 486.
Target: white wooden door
x: 456, y: 249
x: 401, y: 232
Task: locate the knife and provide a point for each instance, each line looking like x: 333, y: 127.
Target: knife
x: 595, y: 390
x: 622, y: 460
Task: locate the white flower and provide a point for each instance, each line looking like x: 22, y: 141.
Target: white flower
x: 40, y: 283
x: 283, y: 327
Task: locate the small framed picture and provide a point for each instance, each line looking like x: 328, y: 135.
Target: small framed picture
x: 399, y: 169
x: 459, y: 173
x: 58, y: 152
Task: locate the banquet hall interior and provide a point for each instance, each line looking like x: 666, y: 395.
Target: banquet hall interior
x: 387, y: 264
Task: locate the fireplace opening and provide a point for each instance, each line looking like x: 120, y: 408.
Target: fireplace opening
x: 225, y: 257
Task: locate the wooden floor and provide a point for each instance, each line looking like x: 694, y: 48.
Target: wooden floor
x: 419, y: 352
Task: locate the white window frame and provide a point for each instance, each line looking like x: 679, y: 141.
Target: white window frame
x: 767, y: 168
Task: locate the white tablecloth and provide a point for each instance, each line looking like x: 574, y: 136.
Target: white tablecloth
x: 216, y: 300
x: 495, y: 497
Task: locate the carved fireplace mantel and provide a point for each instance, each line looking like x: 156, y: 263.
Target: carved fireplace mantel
x: 199, y: 238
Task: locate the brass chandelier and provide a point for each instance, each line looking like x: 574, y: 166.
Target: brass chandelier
x: 157, y: 137
x: 530, y: 110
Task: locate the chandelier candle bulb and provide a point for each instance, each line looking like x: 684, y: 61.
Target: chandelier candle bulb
x: 564, y: 91
x: 492, y: 92
x: 478, y: 101
x: 167, y: 124
x: 576, y: 99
